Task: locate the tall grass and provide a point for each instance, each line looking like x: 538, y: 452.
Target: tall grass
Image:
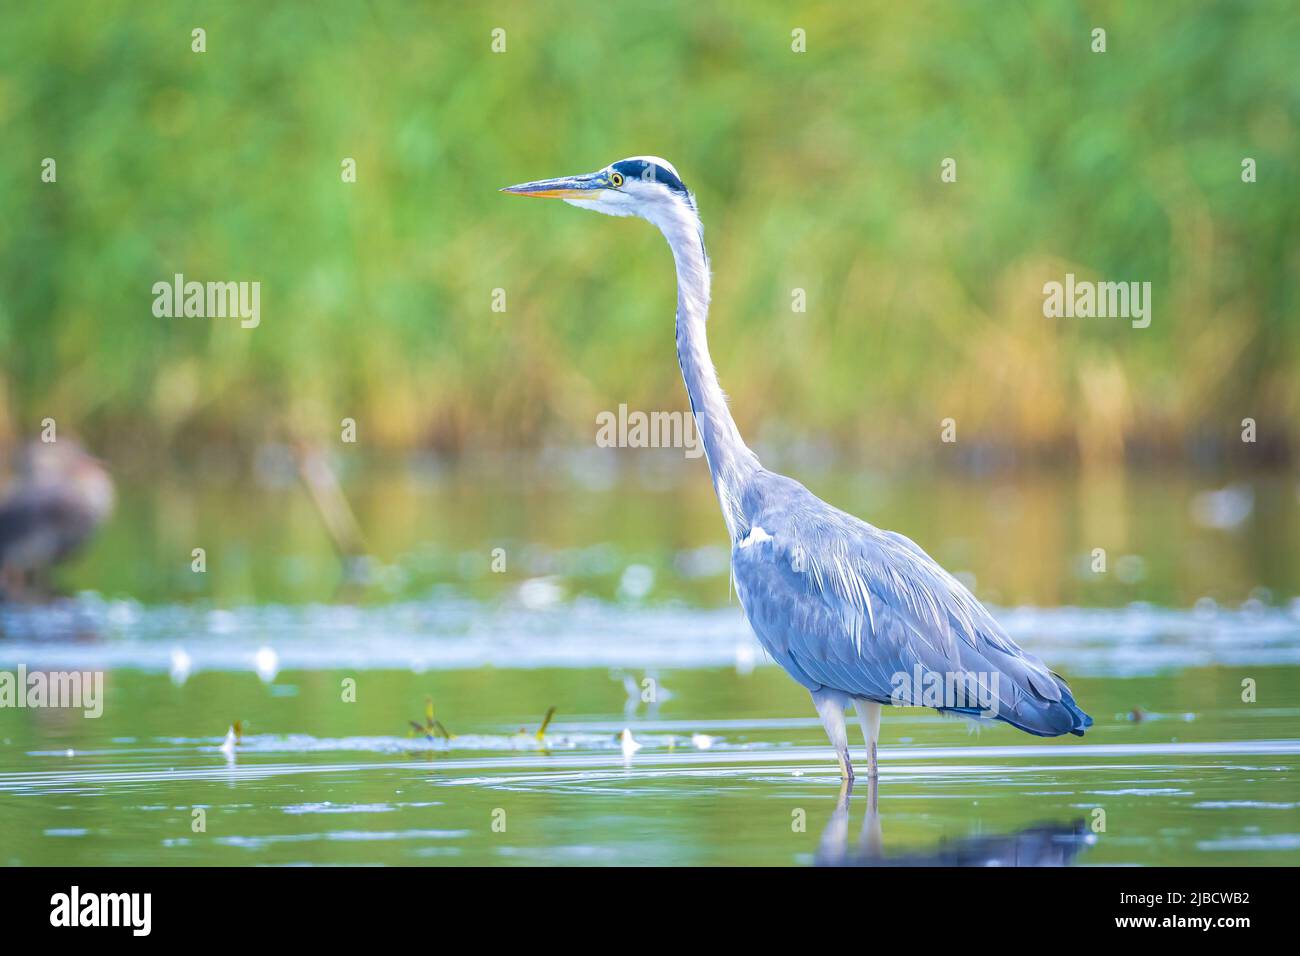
x: 817, y: 171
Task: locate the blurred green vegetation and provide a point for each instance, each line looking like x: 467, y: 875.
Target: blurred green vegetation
x: 817, y: 171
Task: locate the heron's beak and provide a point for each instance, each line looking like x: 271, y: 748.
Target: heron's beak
x: 589, y: 186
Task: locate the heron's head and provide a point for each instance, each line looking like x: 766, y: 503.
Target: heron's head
x: 644, y: 186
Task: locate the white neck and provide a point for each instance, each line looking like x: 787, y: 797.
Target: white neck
x: 731, y: 462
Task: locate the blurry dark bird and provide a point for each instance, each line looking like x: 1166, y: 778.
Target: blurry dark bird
x: 59, y: 497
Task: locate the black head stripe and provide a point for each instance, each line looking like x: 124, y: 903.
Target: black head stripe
x: 650, y: 172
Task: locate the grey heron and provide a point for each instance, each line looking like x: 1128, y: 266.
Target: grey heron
x: 855, y: 614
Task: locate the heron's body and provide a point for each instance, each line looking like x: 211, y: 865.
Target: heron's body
x: 853, y: 613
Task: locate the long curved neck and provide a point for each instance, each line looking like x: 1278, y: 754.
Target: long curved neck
x: 731, y: 462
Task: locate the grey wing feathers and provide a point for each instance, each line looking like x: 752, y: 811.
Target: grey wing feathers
x: 841, y: 604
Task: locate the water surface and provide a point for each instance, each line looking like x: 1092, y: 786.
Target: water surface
x: 1192, y: 675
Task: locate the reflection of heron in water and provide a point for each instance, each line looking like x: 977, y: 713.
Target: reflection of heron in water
x: 1048, y: 844
x: 58, y: 499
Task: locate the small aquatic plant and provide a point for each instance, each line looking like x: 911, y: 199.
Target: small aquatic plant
x: 430, y: 727
x: 540, y: 736
x: 234, y: 737
x: 546, y: 722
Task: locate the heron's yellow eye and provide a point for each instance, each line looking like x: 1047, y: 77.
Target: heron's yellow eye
x: 616, y: 179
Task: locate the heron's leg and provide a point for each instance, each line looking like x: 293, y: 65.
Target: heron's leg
x: 830, y: 707
x: 869, y: 717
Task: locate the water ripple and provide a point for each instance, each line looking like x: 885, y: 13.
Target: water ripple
x: 454, y: 632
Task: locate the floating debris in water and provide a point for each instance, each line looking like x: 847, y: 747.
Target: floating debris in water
x: 538, y: 593
x: 636, y: 582
x: 628, y: 743
x: 234, y: 737
x: 468, y: 744
x: 267, y: 663
x: 182, y: 665
x: 701, y: 741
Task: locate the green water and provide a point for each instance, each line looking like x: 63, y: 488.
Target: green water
x: 1218, y: 785
x: 603, y: 589
x: 1026, y: 539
